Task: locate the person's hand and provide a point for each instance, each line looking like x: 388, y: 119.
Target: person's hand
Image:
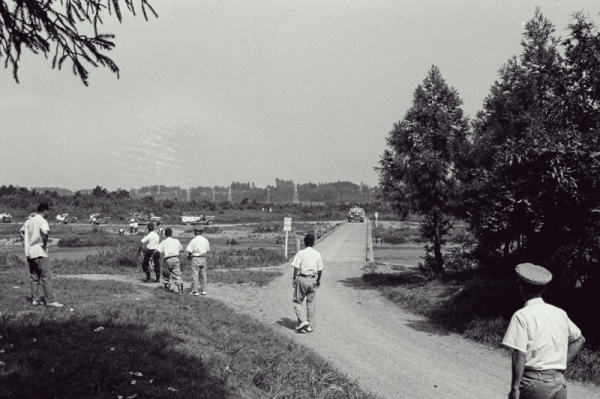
x: 318, y: 283
x: 295, y: 283
x: 514, y: 394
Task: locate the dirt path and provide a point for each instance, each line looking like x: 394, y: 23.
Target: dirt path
x: 389, y: 351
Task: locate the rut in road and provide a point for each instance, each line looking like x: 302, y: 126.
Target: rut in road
x: 389, y: 351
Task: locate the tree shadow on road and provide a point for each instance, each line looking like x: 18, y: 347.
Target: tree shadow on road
x: 428, y: 327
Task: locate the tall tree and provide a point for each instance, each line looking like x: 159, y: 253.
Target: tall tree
x: 63, y: 29
x: 418, y: 171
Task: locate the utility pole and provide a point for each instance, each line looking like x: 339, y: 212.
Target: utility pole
x: 268, y: 195
x: 158, y: 190
x: 229, y: 196
x: 295, y: 199
x: 188, y: 195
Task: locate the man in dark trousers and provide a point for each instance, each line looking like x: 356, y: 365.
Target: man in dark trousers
x: 308, y: 267
x: 543, y: 340
x: 151, y: 240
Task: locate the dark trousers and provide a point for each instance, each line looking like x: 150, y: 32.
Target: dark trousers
x: 153, y: 256
x: 40, y: 274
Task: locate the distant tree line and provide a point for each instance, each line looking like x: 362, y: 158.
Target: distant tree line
x: 524, y: 174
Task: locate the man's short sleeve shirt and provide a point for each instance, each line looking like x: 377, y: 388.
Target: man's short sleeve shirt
x: 198, y: 246
x: 151, y: 240
x: 170, y: 247
x: 543, y: 332
x: 308, y: 261
x: 32, y: 231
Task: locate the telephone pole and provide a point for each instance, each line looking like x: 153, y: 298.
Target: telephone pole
x: 213, y: 194
x: 295, y: 199
x: 268, y: 195
x: 188, y: 195
x: 229, y: 196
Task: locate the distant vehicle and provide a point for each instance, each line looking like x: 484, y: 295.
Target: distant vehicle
x: 65, y: 218
x: 145, y: 219
x: 97, y: 218
x: 188, y: 220
x: 6, y: 218
x: 356, y: 214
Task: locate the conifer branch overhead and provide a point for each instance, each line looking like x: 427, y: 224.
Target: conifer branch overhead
x: 57, y: 27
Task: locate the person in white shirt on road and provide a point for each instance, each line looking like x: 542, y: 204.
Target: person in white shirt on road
x: 35, y: 239
x: 197, y: 250
x: 151, y: 240
x: 170, y: 248
x: 308, y: 268
x: 543, y: 340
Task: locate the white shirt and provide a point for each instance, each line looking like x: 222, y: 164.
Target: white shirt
x: 32, y: 231
x: 308, y: 261
x: 152, y: 239
x: 198, y: 246
x: 170, y: 247
x: 543, y: 332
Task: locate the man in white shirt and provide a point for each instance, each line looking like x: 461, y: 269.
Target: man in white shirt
x: 543, y: 339
x: 170, y: 248
x: 35, y: 239
x: 151, y: 240
x: 197, y: 250
x: 308, y: 267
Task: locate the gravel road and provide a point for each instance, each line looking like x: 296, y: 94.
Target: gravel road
x: 389, y: 351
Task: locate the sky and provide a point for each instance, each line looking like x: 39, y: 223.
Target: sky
x: 212, y: 92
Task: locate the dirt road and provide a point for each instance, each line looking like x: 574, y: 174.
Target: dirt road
x: 389, y: 351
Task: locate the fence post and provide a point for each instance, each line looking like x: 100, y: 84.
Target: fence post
x: 370, y: 257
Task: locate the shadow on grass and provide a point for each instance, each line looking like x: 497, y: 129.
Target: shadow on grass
x: 287, y: 323
x: 89, y: 356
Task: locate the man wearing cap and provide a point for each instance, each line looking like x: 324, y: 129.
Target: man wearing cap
x: 197, y: 250
x: 151, y: 241
x: 308, y: 267
x: 543, y: 339
x: 171, y: 247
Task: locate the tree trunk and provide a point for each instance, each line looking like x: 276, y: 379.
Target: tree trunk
x: 437, y: 247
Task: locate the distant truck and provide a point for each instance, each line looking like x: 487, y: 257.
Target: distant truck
x: 97, y: 218
x: 6, y: 218
x: 145, y: 219
x: 65, y: 218
x: 188, y: 220
x: 356, y: 214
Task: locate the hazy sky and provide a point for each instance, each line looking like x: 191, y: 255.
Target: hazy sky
x: 216, y: 91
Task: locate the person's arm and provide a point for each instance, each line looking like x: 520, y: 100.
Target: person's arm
x: 518, y: 367
x: 574, y: 348
x: 319, y: 277
x: 294, y: 281
x: 22, y: 232
x: 44, y: 235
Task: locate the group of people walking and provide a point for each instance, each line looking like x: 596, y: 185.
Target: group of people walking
x: 542, y: 337
x: 171, y: 248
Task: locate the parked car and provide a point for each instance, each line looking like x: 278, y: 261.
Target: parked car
x: 65, y: 218
x: 145, y: 219
x: 6, y: 218
x: 190, y: 220
x: 97, y: 218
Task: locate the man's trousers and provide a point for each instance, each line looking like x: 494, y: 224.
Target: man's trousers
x: 198, y: 270
x: 306, y: 288
x: 154, y: 256
x: 171, y: 272
x: 40, y: 273
x: 545, y: 384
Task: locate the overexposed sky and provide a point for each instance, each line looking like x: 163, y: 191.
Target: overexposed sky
x: 217, y: 91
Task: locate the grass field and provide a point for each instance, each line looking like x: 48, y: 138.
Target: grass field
x: 116, y: 339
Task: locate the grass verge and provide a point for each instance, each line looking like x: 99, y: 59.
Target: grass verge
x: 122, y: 340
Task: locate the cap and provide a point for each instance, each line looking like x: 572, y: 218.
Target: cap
x: 533, y: 274
x: 199, y: 228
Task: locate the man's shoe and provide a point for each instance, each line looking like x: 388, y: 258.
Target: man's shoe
x: 302, y: 326
x: 167, y: 287
x: 148, y: 280
x: 36, y: 303
x: 203, y: 293
x: 55, y: 304
x: 309, y: 329
x: 194, y: 294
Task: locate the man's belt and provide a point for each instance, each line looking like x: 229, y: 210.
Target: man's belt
x: 307, y: 276
x: 199, y: 256
x: 172, y: 256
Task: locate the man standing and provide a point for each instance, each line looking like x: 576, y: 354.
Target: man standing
x: 197, y: 250
x: 308, y: 267
x: 35, y: 239
x: 171, y: 248
x: 151, y: 240
x: 543, y: 340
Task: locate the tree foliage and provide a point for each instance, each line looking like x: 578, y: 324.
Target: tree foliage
x: 64, y: 30
x: 418, y: 171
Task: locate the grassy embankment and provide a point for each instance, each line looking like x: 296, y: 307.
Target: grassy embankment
x: 123, y: 340
x: 471, y: 303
